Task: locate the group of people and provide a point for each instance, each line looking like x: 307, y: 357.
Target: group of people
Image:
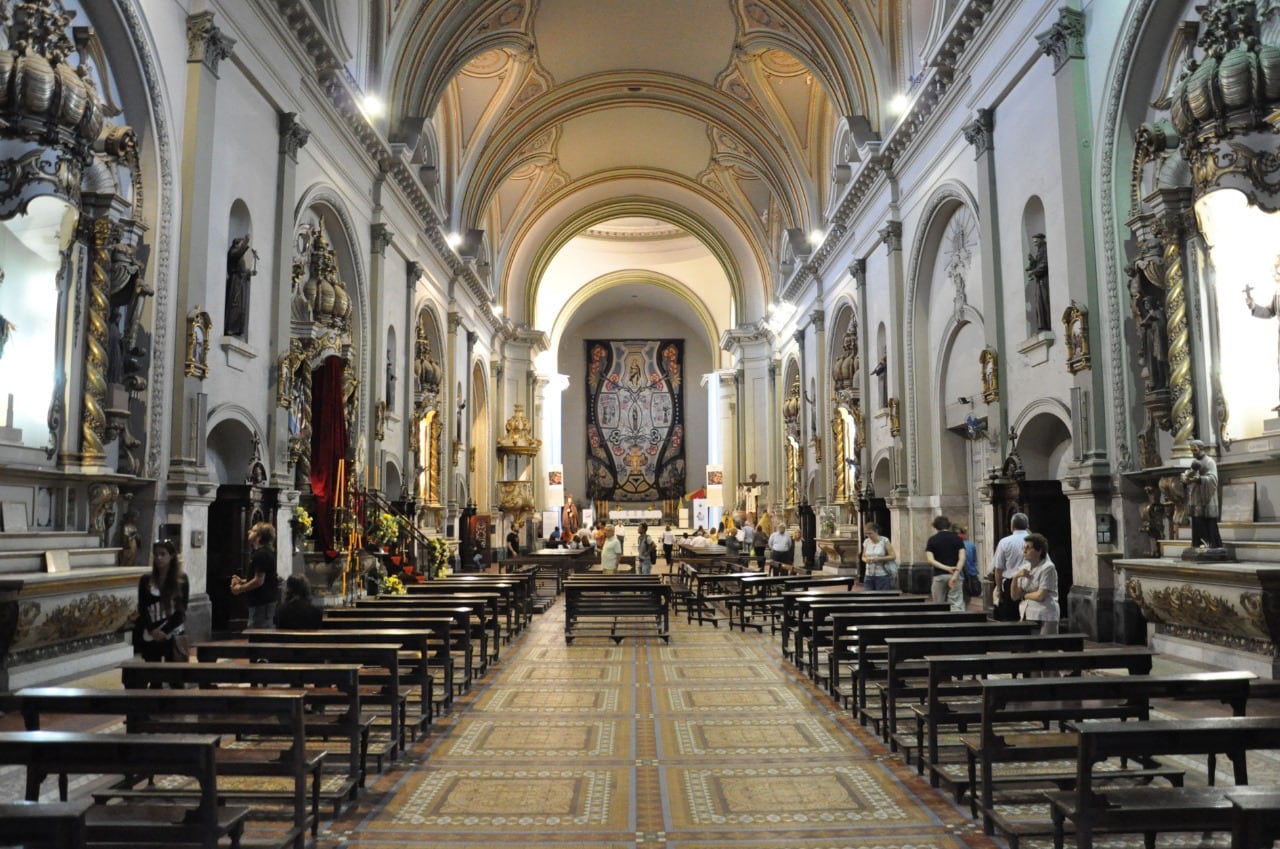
x: 1026, y: 581
x: 164, y: 594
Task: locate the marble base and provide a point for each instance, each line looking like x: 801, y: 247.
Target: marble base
x: 1264, y: 666
x: 60, y: 669
x: 1089, y: 612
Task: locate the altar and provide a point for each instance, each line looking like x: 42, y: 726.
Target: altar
x: 653, y: 517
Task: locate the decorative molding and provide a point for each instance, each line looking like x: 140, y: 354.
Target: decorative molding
x: 293, y: 135
x: 381, y: 237
x: 205, y: 42
x: 858, y: 271
x: 1064, y: 40
x: 980, y: 132
x: 891, y: 236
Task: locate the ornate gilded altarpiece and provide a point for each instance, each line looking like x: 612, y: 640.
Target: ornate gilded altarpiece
x: 635, y: 419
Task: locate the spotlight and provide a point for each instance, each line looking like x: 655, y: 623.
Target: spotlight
x: 453, y: 239
x: 899, y: 104
x: 372, y: 105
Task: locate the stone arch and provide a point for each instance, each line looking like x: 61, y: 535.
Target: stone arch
x: 1044, y: 439
x: 229, y: 443
x: 946, y: 201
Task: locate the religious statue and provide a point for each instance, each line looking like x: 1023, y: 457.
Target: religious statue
x: 1155, y: 343
x: 1201, y: 480
x: 1269, y: 310
x: 391, y: 381
x: 751, y: 496
x: 571, y: 520
x: 239, y: 270
x: 130, y: 540
x: 1038, y: 285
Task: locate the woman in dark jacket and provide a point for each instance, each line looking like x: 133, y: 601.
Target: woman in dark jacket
x: 162, y: 604
x: 298, y: 613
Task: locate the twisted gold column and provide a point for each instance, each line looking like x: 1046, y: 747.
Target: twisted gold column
x: 1182, y: 415
x: 93, y: 421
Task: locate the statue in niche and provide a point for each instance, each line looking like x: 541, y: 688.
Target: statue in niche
x: 239, y: 270
x: 1270, y: 309
x: 1155, y: 343
x: 127, y: 294
x: 1038, y: 285
x: 391, y: 382
x: 130, y: 540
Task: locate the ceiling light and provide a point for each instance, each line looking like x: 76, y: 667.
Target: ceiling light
x: 372, y: 106
x: 453, y: 239
x: 899, y: 104
x: 816, y: 237
x: 497, y: 309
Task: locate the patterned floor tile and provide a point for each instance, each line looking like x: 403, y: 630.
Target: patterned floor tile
x: 506, y: 738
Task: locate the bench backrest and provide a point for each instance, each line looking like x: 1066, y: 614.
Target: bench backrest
x: 1233, y: 735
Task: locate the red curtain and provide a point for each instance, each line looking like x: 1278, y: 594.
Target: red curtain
x: 328, y: 444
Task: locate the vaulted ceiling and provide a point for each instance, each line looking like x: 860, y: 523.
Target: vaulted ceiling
x: 712, y: 122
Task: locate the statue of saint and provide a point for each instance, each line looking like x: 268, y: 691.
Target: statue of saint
x: 1201, y: 480
x: 1038, y: 285
x: 239, y: 270
x: 571, y: 521
x: 1153, y: 326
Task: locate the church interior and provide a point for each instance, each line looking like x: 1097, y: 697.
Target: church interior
x: 408, y: 279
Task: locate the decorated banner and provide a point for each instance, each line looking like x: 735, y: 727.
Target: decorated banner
x: 635, y: 420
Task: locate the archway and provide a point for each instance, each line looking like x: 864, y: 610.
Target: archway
x: 1044, y: 446
x: 237, y: 506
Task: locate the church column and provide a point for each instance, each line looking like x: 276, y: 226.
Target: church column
x: 818, y: 408
x: 802, y: 462
x: 755, y: 442
x: 188, y: 491
x: 380, y: 238
x: 980, y: 134
x: 452, y: 395
x: 891, y: 238
x: 293, y: 136
x: 773, y: 421
x: 1088, y: 487
x: 866, y: 400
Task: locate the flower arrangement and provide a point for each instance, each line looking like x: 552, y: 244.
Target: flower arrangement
x: 437, y: 557
x: 302, y: 520
x: 391, y: 585
x: 385, y: 528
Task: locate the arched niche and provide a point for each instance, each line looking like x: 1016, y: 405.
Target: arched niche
x: 229, y: 448
x: 241, y: 268
x: 1037, y: 294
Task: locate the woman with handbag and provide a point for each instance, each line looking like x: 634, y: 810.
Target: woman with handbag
x: 162, y: 607
x: 881, y: 560
x: 1035, y: 585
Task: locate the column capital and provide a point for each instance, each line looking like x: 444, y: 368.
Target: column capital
x: 1065, y: 39
x: 455, y: 321
x: 979, y: 132
x: 381, y: 237
x: 205, y: 43
x: 818, y: 319
x: 293, y: 135
x: 858, y: 271
x: 798, y: 336
x: 891, y: 235
x: 413, y: 272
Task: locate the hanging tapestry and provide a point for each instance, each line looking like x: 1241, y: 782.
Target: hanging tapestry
x: 635, y: 420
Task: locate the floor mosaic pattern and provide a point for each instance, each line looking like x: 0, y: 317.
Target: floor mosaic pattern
x: 710, y: 742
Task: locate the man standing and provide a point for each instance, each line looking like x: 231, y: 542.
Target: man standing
x: 668, y: 544
x: 747, y: 537
x: 1004, y: 563
x: 945, y: 553
x: 1202, y: 497
x: 781, y: 545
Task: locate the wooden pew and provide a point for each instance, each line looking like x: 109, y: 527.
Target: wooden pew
x: 416, y: 680
x: 843, y: 651
x: 453, y: 595
x: 384, y: 690
x: 872, y: 655
x: 323, y: 686
x: 632, y: 606
x: 954, y: 692
x: 1255, y: 817
x: 1008, y: 702
x: 482, y: 620
x: 1151, y: 810
x: 274, y: 714
x: 816, y: 631
x: 44, y: 825
x: 45, y: 753
x: 510, y: 596
x: 459, y: 635
x: 795, y: 607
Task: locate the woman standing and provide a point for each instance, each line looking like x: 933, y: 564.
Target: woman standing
x: 298, y: 613
x: 162, y: 604
x: 263, y: 587
x: 610, y: 552
x: 877, y: 553
x: 1036, y: 584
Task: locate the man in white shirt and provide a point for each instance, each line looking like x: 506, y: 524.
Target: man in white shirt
x: 1007, y: 560
x: 668, y: 544
x: 781, y: 546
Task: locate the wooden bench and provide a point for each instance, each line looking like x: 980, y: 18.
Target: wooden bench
x: 381, y: 689
x: 954, y: 694
x: 45, y: 753
x: 491, y: 603
x: 818, y: 632
x: 1151, y: 810
x: 907, y: 672
x: 511, y: 594
x: 44, y: 825
x: 277, y: 715
x: 630, y: 606
x: 458, y: 674
x: 872, y: 654
x: 323, y: 686
x: 1255, y: 817
x: 1007, y: 704
x: 482, y: 622
x: 795, y: 604
x: 843, y: 652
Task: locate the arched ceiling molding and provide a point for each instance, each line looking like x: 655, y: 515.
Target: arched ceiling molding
x: 442, y: 38
x: 620, y: 195
x: 632, y: 276
x: 660, y: 91
x: 942, y: 203
x: 597, y: 213
x: 825, y: 39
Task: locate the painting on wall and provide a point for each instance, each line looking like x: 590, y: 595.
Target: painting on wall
x: 635, y: 419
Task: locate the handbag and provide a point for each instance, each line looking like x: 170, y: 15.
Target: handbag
x: 890, y: 568
x: 972, y: 585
